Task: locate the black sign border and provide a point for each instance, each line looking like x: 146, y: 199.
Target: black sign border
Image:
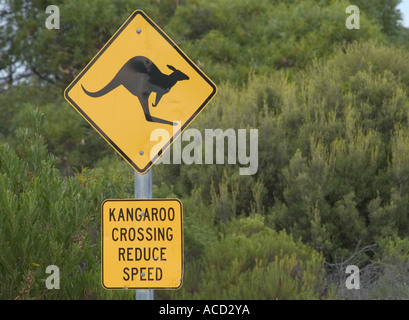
x: 100, y: 131
x: 102, y: 245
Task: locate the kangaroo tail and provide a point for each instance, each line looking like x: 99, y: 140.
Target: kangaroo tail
x: 108, y: 88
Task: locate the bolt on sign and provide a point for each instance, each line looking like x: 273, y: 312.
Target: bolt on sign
x: 142, y: 244
x: 138, y: 82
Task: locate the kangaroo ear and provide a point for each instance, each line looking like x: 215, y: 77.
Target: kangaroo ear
x: 171, y: 67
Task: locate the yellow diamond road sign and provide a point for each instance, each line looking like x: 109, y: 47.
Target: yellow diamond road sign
x: 142, y: 244
x: 138, y: 82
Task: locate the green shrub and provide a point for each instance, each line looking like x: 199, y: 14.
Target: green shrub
x: 46, y: 219
x: 232, y: 39
x: 384, y: 277
x: 229, y: 39
x: 251, y: 261
x: 332, y: 150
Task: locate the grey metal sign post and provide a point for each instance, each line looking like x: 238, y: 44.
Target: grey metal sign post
x: 143, y: 190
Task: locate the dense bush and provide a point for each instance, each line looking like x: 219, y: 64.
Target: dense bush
x: 251, y: 261
x: 49, y: 220
x: 383, y: 277
x: 229, y: 39
x: 265, y: 34
x: 332, y: 152
x: 331, y: 108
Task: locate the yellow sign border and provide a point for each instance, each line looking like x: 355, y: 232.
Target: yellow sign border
x: 102, y: 244
x: 184, y: 125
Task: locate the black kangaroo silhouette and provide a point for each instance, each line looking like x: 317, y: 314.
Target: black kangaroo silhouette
x: 140, y: 76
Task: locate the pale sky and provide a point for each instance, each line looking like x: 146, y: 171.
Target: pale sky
x: 404, y: 8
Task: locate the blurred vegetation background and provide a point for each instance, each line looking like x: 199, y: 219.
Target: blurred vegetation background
x: 332, y: 187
